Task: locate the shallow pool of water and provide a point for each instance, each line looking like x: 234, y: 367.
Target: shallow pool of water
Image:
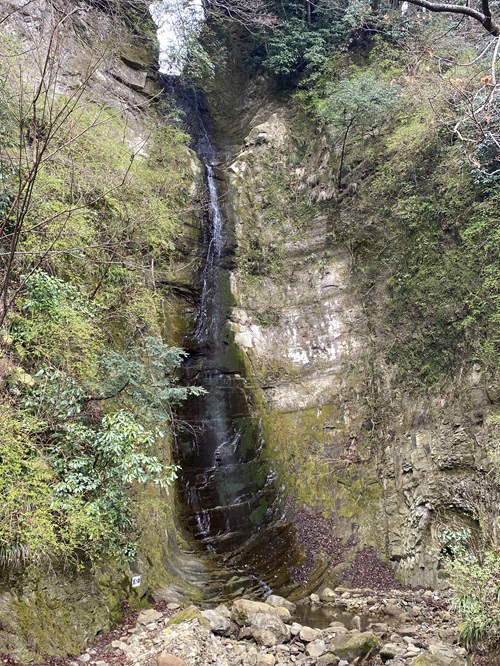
x: 320, y: 617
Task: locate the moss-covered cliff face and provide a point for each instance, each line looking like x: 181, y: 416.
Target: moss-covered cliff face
x: 111, y: 228
x: 363, y: 307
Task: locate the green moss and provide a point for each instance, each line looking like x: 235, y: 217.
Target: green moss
x: 189, y: 613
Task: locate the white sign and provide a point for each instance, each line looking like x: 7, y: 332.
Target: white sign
x: 136, y: 581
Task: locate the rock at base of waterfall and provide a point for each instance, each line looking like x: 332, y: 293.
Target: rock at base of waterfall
x: 389, y: 651
x: 219, y: 623
x: 265, y: 660
x: 327, y: 594
x: 328, y: 660
x: 316, y: 648
x: 307, y: 634
x: 243, y: 610
x: 280, y: 602
x: 268, y: 630
x: 351, y: 646
x: 439, y: 659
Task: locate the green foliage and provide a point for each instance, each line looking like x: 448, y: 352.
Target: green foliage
x: 475, y: 579
x: 365, y: 101
x: 198, y: 66
x: 53, y: 298
x: 144, y: 379
x: 296, y: 47
x: 94, y: 467
x: 55, y: 326
x: 27, y: 527
x: 88, y: 466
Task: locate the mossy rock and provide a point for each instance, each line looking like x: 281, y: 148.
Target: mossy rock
x: 438, y: 659
x: 355, y: 645
x: 188, y: 614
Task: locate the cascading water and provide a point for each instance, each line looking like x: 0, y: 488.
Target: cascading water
x: 226, y: 482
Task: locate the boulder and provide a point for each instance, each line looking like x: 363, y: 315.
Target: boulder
x: 328, y: 660
x: 269, y: 630
x: 393, y: 610
x: 283, y: 614
x: 316, y: 648
x: 223, y: 610
x: 265, y: 660
x: 307, y: 634
x: 356, y: 623
x: 327, y: 594
x: 389, y: 651
x: 219, y: 623
x: 280, y: 602
x: 350, y: 646
x: 244, y: 609
x: 149, y: 616
x: 189, y: 613
x: 442, y: 658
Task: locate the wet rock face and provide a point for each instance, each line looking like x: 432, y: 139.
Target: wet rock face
x: 391, y: 474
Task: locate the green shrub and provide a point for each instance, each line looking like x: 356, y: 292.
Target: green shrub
x: 474, y: 575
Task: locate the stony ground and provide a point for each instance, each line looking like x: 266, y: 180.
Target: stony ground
x: 396, y: 628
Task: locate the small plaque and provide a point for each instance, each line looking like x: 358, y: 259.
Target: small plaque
x: 136, y: 581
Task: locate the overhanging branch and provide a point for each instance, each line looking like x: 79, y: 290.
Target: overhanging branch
x: 484, y: 18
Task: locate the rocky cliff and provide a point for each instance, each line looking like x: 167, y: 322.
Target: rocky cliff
x: 358, y: 431
x: 376, y: 418
x: 102, y: 58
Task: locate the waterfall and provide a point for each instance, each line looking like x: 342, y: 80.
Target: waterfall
x: 178, y: 24
x: 224, y: 475
x: 226, y: 482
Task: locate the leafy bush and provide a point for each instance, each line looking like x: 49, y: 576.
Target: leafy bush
x: 144, y: 379
x: 475, y: 578
x: 296, y: 47
x: 69, y: 463
x: 364, y: 101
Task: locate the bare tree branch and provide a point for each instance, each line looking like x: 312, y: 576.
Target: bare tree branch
x: 485, y: 18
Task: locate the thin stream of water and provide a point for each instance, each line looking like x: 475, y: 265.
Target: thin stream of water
x: 226, y: 482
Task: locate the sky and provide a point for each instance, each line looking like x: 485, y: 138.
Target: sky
x: 178, y: 21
